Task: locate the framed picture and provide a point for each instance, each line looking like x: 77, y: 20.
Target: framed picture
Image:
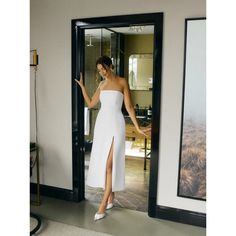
x: 192, y: 158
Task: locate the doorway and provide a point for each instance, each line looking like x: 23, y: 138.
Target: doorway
x: 131, y: 51
x: 90, y: 35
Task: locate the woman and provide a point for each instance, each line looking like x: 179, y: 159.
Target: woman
x: 107, y: 160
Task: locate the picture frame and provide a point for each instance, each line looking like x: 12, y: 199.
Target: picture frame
x: 192, y: 155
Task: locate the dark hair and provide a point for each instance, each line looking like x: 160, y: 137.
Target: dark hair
x: 104, y: 61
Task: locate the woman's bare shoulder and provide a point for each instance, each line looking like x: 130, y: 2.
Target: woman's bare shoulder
x: 122, y: 80
x: 101, y: 84
x: 123, y: 83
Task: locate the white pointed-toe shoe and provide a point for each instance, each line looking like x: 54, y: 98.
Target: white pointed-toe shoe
x: 99, y: 216
x: 109, y: 206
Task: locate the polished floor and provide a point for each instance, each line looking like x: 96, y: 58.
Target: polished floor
x: 129, y: 216
x: 118, y: 221
x: 53, y: 228
x: 135, y: 195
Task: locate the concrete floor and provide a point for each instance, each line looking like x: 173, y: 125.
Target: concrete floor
x: 118, y: 221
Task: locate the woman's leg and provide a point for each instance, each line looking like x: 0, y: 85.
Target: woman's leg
x: 111, y: 197
x: 108, y: 184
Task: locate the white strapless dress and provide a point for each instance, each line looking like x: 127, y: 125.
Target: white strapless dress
x: 110, y: 123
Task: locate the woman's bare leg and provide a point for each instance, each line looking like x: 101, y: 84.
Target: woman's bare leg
x: 108, y: 184
x: 111, y: 197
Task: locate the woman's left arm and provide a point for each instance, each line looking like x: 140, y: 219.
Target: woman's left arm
x: 130, y: 108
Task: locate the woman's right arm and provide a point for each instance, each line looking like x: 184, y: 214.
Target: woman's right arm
x: 91, y: 102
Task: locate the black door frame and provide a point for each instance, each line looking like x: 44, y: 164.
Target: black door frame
x: 77, y: 27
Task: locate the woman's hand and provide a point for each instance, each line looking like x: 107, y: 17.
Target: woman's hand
x: 143, y: 131
x: 80, y: 82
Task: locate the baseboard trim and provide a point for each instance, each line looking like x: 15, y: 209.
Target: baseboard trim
x: 160, y: 212
x: 180, y: 215
x: 54, y: 192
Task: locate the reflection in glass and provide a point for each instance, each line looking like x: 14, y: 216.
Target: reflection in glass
x: 140, y: 71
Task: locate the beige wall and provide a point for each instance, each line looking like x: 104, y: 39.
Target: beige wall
x: 51, y: 34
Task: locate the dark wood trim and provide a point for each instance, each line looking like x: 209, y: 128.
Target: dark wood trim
x: 78, y: 27
x: 77, y: 37
x: 118, y: 21
x: 156, y: 111
x: 181, y: 216
x: 54, y: 192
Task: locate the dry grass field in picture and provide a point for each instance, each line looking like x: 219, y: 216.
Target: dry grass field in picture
x: 193, y: 161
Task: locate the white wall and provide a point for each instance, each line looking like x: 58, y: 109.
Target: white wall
x: 51, y: 36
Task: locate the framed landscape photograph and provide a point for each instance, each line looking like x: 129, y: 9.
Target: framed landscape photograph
x: 192, y: 158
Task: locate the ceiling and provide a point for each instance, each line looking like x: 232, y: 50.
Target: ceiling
x: 105, y: 33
